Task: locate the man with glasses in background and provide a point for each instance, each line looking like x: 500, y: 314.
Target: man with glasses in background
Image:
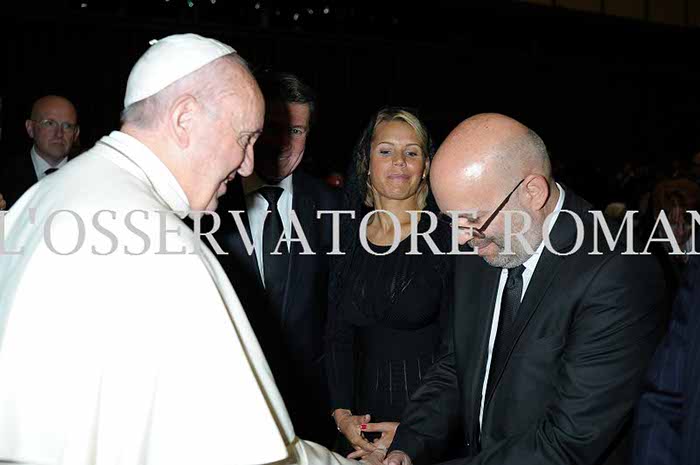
x: 53, y: 126
x: 545, y: 352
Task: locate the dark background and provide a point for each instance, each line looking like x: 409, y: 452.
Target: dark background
x: 600, y: 90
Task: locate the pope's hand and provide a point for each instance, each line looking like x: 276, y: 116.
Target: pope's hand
x: 396, y: 457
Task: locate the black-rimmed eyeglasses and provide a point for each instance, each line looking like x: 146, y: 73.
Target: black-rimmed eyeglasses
x: 479, y: 232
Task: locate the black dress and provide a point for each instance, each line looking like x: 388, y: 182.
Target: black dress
x: 385, y: 324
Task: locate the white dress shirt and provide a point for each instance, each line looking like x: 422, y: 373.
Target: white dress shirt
x: 257, y: 208
x: 530, y: 265
x: 41, y: 165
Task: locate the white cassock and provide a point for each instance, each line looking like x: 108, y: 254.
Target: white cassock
x: 125, y: 352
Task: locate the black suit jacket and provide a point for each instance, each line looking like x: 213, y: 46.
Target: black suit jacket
x: 587, y: 326
x: 668, y: 419
x: 17, y: 176
x: 293, y: 344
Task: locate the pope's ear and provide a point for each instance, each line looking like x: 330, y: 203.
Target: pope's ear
x: 181, y: 118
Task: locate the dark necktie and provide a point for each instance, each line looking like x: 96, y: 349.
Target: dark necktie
x: 274, y: 265
x: 510, y: 301
x: 50, y: 170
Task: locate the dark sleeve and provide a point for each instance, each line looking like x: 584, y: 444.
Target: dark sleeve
x: 691, y: 446
x: 609, y: 344
x: 340, y: 339
x: 661, y: 412
x: 16, y: 177
x: 432, y: 414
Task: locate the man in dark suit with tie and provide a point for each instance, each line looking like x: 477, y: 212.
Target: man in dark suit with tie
x: 53, y: 126
x: 546, y: 352
x: 668, y: 415
x: 284, y: 291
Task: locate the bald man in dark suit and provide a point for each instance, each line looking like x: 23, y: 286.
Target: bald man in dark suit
x: 546, y: 352
x: 53, y: 126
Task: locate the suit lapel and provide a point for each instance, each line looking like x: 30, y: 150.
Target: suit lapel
x: 562, y: 237
x: 539, y: 283
x: 249, y: 262
x: 304, y: 208
x: 475, y: 294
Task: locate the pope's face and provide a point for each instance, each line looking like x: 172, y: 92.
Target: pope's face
x: 226, y: 143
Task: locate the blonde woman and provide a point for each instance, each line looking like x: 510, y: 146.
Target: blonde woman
x: 386, y: 312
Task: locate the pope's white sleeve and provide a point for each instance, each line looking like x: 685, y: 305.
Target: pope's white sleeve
x: 309, y: 453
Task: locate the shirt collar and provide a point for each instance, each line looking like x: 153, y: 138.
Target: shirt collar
x: 161, y: 178
x: 41, y: 165
x: 254, y: 182
x: 531, y: 263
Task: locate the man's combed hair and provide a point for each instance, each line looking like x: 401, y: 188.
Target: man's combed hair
x: 287, y: 88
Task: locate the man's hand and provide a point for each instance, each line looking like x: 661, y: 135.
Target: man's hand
x: 374, y: 458
x: 388, y: 430
x: 350, y: 426
x: 3, y: 204
x: 396, y: 457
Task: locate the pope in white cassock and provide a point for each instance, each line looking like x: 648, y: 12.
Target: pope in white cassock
x: 121, y: 339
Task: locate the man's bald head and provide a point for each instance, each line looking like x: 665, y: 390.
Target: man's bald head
x: 490, y: 149
x: 52, y: 102
x: 480, y: 162
x: 53, y: 125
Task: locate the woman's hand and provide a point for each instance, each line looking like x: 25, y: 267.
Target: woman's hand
x: 351, y: 427
x: 388, y: 430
